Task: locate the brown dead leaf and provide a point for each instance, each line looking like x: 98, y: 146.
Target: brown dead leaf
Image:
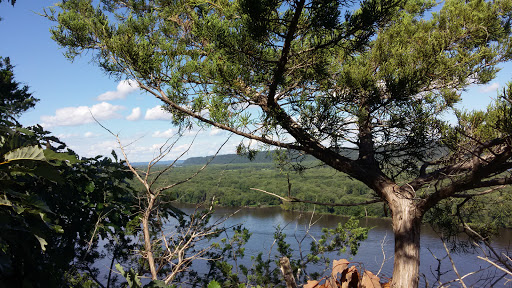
x: 338, y: 266
x: 312, y: 284
x: 370, y: 280
x: 387, y: 284
x: 350, y: 278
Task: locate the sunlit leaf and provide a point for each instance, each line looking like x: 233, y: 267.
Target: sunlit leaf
x: 214, y: 284
x: 5, y: 202
x: 52, y: 155
x: 90, y: 187
x: 311, y: 284
x: 42, y: 242
x: 370, y: 280
x: 338, y: 266
x: 26, y: 153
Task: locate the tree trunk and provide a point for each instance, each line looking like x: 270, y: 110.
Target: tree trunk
x: 147, y: 238
x: 286, y: 269
x: 406, y: 227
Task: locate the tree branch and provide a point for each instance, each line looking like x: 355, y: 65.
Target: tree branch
x: 163, y: 97
x: 285, y: 52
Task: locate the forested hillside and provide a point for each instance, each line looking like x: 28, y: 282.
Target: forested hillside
x: 230, y: 184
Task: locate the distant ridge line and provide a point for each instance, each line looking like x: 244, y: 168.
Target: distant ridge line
x: 260, y: 157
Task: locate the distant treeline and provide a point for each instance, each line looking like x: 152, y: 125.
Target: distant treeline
x: 229, y: 184
x: 272, y: 156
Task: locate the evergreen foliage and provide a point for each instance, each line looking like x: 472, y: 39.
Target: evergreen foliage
x: 14, y: 99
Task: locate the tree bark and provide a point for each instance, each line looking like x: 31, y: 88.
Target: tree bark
x: 147, y: 237
x: 406, y: 227
x: 286, y: 269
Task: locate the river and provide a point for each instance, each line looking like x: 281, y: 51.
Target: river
x: 262, y: 222
x: 378, y: 247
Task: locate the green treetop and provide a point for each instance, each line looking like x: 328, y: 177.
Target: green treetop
x: 14, y: 99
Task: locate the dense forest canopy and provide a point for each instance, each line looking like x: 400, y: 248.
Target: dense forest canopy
x: 317, y: 76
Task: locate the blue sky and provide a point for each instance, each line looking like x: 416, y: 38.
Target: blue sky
x: 67, y: 91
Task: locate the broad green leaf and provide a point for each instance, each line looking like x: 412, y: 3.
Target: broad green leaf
x: 90, y: 187
x: 52, y: 155
x: 130, y: 276
x: 5, y: 202
x: 57, y: 228
x: 25, y: 153
x: 25, y: 131
x: 49, y: 173
x: 19, y: 209
x: 214, y: 284
x: 157, y: 284
x: 42, y: 242
x: 40, y: 204
x: 120, y: 269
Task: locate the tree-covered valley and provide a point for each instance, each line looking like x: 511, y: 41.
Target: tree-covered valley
x: 229, y: 178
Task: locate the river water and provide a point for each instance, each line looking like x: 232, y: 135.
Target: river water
x: 378, y: 247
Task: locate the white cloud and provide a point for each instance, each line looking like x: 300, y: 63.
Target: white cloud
x: 135, y: 114
x: 157, y: 113
x: 71, y: 116
x: 215, y: 131
x: 147, y: 152
x: 67, y: 135
x: 490, y: 88
x: 180, y: 149
x: 124, y: 88
x: 102, y: 148
x: 90, y: 134
x: 165, y: 134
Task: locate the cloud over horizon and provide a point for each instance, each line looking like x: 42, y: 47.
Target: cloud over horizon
x: 124, y: 88
x: 72, y: 116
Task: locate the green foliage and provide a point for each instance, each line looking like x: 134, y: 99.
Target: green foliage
x: 381, y: 78
x: 345, y: 235
x: 55, y: 210
x: 214, y: 284
x: 477, y: 127
x: 54, y: 207
x: 384, y: 60
x: 230, y: 185
x: 486, y: 215
x: 14, y: 99
x: 131, y: 277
